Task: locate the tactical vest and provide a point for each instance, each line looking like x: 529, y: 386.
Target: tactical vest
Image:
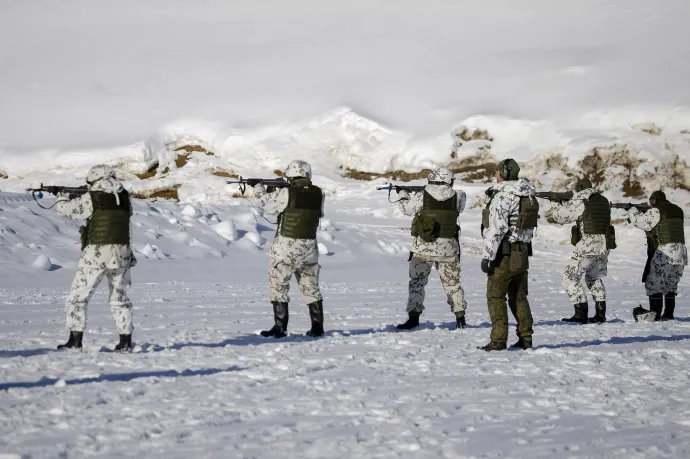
x: 526, y: 218
x: 109, y: 222
x: 300, y: 219
x: 438, y: 219
x: 596, y: 218
x: 670, y: 228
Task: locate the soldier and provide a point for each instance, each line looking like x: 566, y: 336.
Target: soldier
x: 591, y: 213
x: 435, y: 226
x: 106, y: 252
x: 294, y: 250
x: 508, y: 223
x: 664, y: 224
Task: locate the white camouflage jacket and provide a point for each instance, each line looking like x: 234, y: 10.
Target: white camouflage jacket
x: 506, y: 202
x: 676, y: 253
x: 591, y: 245
x: 442, y: 248
x: 292, y: 251
x: 107, y: 256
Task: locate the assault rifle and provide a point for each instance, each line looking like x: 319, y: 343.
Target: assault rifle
x: 644, y: 207
x: 270, y: 184
x: 398, y: 188
x: 72, y: 192
x: 554, y: 196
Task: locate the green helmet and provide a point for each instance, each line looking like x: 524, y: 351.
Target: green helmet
x: 509, y: 169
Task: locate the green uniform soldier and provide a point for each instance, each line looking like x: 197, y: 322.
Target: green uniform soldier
x: 508, y: 224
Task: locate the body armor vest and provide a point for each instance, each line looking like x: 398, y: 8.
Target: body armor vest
x: 109, y: 222
x: 670, y: 228
x: 300, y: 219
x: 596, y: 218
x: 444, y: 214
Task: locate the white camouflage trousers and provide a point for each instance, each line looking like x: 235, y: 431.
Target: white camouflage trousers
x: 449, y: 272
x: 663, y: 277
x: 593, y: 268
x: 85, y: 283
x: 280, y: 273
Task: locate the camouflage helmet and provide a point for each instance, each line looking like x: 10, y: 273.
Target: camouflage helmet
x: 298, y: 168
x: 583, y: 184
x: 508, y: 169
x: 441, y: 175
x: 99, y: 172
x: 657, y: 197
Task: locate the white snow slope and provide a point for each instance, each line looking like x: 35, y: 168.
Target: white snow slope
x: 373, y: 86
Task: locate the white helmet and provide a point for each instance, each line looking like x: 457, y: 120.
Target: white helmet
x: 100, y: 172
x: 441, y: 175
x: 298, y: 168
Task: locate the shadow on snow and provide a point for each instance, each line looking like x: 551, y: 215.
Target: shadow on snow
x: 615, y: 340
x: 26, y: 352
x: 119, y: 377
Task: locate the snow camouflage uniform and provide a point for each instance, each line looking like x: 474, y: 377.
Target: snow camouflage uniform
x: 98, y: 261
x: 667, y: 259
x: 506, y: 248
x: 298, y: 255
x: 589, y: 258
x: 443, y: 252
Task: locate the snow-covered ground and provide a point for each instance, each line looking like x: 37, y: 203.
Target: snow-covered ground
x: 376, y: 87
x: 202, y: 383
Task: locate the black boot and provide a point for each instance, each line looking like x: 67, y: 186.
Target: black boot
x: 580, y: 316
x: 460, y: 321
x: 523, y: 344
x: 600, y: 313
x: 74, y: 340
x: 280, y: 316
x: 412, y: 321
x: 669, y: 307
x: 125, y: 344
x: 656, y: 304
x: 316, y: 314
x: 493, y: 347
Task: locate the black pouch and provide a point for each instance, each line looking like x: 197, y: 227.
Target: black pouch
x: 575, y: 235
x: 84, y: 235
x: 611, y: 238
x: 519, y: 258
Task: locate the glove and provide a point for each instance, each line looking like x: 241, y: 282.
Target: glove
x: 554, y: 197
x: 404, y: 194
x: 486, y: 268
x: 259, y: 188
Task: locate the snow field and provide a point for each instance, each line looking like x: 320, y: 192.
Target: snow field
x: 201, y: 382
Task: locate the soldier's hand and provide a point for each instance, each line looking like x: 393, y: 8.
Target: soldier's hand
x: 489, y: 192
x: 404, y: 194
x: 486, y: 266
x: 553, y: 196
